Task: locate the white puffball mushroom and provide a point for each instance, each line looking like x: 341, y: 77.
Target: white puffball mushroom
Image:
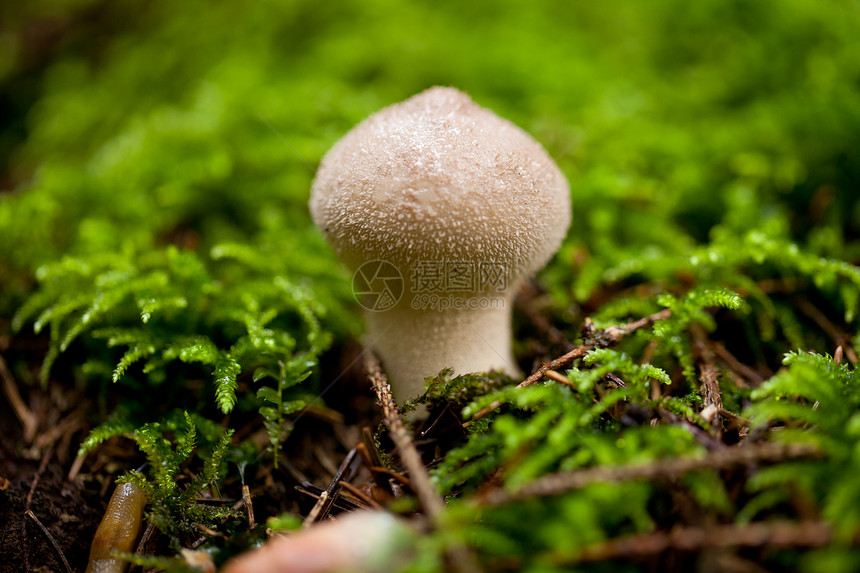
x: 463, y: 206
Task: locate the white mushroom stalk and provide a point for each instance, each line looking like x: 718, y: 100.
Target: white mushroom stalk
x: 442, y: 209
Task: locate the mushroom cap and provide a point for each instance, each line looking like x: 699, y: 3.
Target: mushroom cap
x: 439, y: 178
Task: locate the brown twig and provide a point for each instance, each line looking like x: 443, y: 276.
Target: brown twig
x: 50, y: 537
x: 431, y: 502
x: 65, y: 427
x: 418, y: 476
x: 342, y: 503
x: 558, y: 377
x: 28, y: 420
x: 76, y: 467
x: 839, y: 337
x: 708, y: 376
x: 207, y: 530
x: 734, y: 364
x: 396, y: 476
x: 316, y: 510
x: 324, y: 504
x: 771, y: 534
x: 367, y: 449
x: 558, y: 483
x: 703, y: 437
x: 360, y: 495
x: 144, y: 539
x: 249, y: 507
x: 42, y: 466
x: 593, y: 340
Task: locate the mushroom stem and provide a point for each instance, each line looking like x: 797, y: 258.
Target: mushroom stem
x: 413, y: 344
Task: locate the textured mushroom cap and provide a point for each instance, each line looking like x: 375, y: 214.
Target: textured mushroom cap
x: 438, y: 177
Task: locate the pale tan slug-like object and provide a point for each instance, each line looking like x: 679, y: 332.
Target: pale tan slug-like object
x: 360, y: 542
x: 463, y: 206
x: 118, y: 529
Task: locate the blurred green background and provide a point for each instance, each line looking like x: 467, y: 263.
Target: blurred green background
x: 126, y: 125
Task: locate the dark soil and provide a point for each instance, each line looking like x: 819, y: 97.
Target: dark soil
x: 38, y: 481
x: 35, y: 480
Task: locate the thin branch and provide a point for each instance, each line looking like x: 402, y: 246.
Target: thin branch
x: 839, y: 337
x: 360, y: 495
x: 432, y: 503
x: 734, y: 364
x: 43, y: 465
x: 144, y: 539
x: 316, y: 510
x: 28, y: 420
x: 783, y: 534
x: 65, y: 427
x: 706, y: 439
x: 367, y: 449
x: 558, y: 483
x: 593, y: 340
x: 325, y: 502
x: 558, y: 377
x: 708, y: 376
x: 396, y: 476
x: 50, y: 537
x: 249, y: 507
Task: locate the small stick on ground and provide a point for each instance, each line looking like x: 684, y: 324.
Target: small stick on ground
x: 704, y: 438
x: 342, y: 503
x: 249, y: 507
x: 323, y: 505
x: 207, y: 530
x: 739, y: 367
x: 76, y: 467
x: 708, y: 376
x: 558, y: 377
x: 558, y: 483
x: 50, y: 537
x: 396, y: 476
x: 65, y: 427
x: 316, y: 510
x: 431, y: 502
x: 593, y: 340
x: 836, y: 334
x: 777, y: 534
x: 144, y: 539
x: 28, y: 419
x: 360, y: 495
x: 42, y: 466
x: 370, y: 455
x: 419, y: 478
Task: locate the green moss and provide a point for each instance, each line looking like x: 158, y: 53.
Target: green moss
x: 157, y: 233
